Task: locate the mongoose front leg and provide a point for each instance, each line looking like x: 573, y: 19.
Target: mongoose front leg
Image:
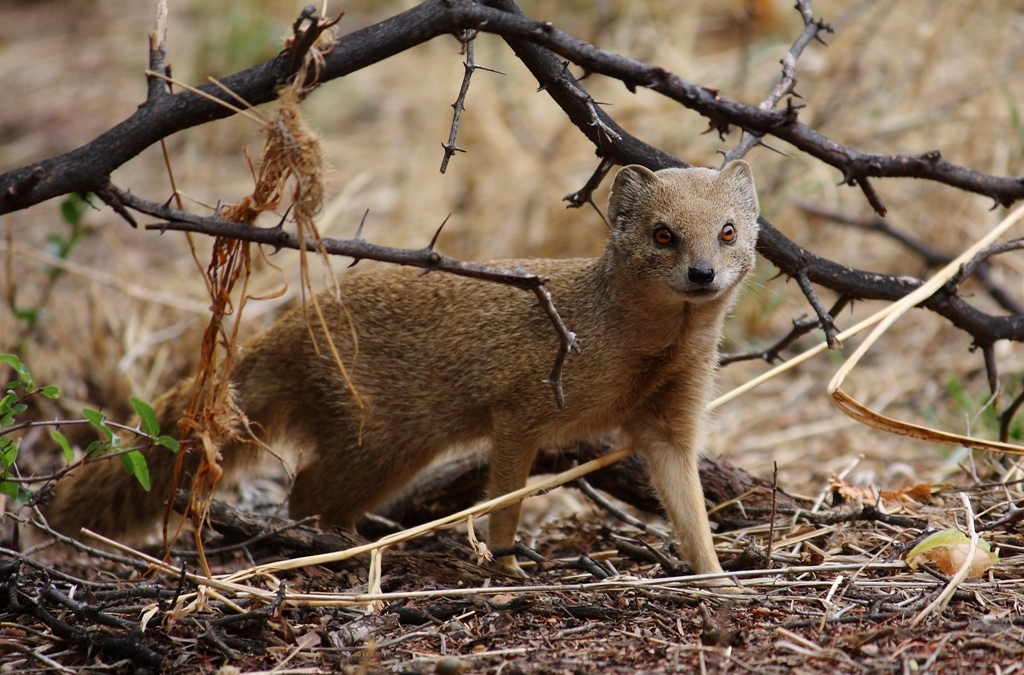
x: 511, y: 460
x: 675, y: 477
x: 672, y: 439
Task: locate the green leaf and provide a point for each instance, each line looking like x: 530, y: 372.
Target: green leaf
x: 65, y: 447
x: 135, y: 464
x: 8, y: 453
x: 29, y: 316
x: 10, y: 489
x: 95, y: 448
x: 168, y: 442
x: 18, y: 409
x: 14, y: 362
x: 98, y: 420
x: 148, y: 417
x: 50, y: 391
x: 73, y: 208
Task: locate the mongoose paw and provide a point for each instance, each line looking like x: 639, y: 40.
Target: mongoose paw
x: 508, y: 565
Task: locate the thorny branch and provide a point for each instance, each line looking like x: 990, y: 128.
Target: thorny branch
x: 585, y: 195
x: 450, y: 148
x: 931, y: 256
x: 787, y: 82
x: 801, y: 327
x: 357, y: 249
x: 824, y: 317
x: 88, y: 167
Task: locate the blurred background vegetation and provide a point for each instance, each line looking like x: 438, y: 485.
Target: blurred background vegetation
x: 106, y: 312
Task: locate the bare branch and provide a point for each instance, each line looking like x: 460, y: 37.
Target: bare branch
x: 585, y: 195
x: 86, y: 168
x: 827, y: 324
x: 787, y: 81
x: 1007, y: 415
x: 450, y: 148
x: 722, y: 112
x: 801, y: 327
x: 932, y: 256
x: 969, y: 268
x: 425, y: 258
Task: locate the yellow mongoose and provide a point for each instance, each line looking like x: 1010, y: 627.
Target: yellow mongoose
x: 444, y: 360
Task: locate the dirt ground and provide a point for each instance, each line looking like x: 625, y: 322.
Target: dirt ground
x: 119, y: 314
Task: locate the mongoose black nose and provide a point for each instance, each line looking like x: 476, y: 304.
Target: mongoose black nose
x: 701, y: 275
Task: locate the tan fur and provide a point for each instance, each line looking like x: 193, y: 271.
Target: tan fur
x: 445, y: 360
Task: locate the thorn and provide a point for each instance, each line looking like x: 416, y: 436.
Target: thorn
x: 437, y: 234
x: 489, y: 70
x: 359, y: 230
x: 280, y: 224
x: 760, y: 141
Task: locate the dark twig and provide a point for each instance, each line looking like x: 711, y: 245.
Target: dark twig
x: 637, y: 548
x: 519, y: 549
x: 212, y: 637
x: 567, y: 342
x: 308, y: 520
x: 772, y: 516
x: 991, y: 369
x: 39, y: 522
x: 425, y: 258
x: 827, y: 324
x: 1006, y: 417
x: 787, y: 81
x: 723, y: 112
x: 55, y: 573
x: 131, y: 646
x: 259, y: 615
x: 573, y: 87
x: 585, y: 195
x: 980, y: 258
x: 931, y: 256
x: 302, y: 41
x: 868, y: 513
x: 801, y: 327
x: 450, y: 148
x: 586, y: 488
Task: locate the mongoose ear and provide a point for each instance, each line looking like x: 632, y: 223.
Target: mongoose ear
x: 632, y: 186
x: 740, y: 179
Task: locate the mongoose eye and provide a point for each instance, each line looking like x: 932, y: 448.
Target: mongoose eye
x: 663, y: 236
x: 728, y: 234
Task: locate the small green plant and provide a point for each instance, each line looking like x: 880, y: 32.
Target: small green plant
x: 108, y: 444
x: 985, y: 422
x: 60, y: 246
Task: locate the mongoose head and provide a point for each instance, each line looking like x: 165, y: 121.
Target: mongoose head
x: 684, y: 233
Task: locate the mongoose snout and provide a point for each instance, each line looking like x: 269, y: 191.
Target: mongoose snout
x: 701, y: 275
x: 441, y: 361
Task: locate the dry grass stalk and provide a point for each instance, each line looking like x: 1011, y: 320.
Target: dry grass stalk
x: 866, y: 416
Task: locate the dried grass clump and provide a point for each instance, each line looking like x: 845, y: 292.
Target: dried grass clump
x: 291, y: 155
